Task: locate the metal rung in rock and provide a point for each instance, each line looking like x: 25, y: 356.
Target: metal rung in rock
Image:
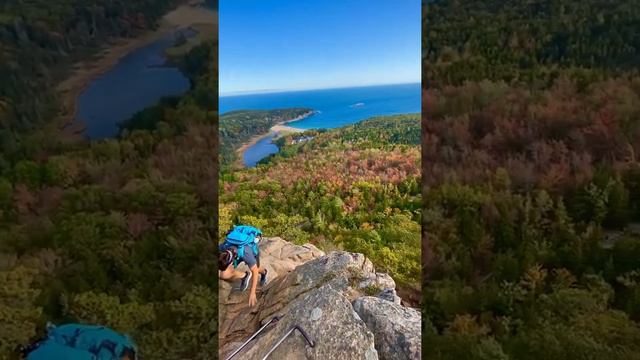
x: 273, y: 320
x: 293, y: 328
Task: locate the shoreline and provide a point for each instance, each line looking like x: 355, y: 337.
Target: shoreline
x: 297, y: 118
x: 284, y: 128
x: 278, y: 128
x: 85, y: 72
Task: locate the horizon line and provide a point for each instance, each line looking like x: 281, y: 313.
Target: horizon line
x: 273, y: 91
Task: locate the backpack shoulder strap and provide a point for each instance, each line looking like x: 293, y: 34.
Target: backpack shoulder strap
x: 240, y: 252
x: 255, y: 248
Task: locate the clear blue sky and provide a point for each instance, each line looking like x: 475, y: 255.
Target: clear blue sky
x: 313, y: 44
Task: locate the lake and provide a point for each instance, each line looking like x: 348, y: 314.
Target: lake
x: 139, y: 80
x: 264, y: 147
x: 336, y: 107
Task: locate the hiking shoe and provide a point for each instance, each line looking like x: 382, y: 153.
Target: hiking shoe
x: 244, y: 283
x: 263, y: 278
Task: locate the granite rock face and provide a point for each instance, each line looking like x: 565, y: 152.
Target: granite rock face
x: 390, y: 295
x: 396, y: 329
x: 318, y: 292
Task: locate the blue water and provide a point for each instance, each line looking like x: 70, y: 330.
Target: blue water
x: 263, y: 148
x: 337, y: 107
x: 138, y: 81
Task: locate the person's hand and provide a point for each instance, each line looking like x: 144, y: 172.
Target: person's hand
x: 252, y: 299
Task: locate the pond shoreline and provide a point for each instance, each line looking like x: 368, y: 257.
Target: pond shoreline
x: 275, y: 129
x: 87, y: 71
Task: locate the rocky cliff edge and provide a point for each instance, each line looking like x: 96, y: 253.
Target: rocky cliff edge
x: 348, y: 309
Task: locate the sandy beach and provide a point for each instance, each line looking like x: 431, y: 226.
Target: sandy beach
x: 186, y: 15
x: 86, y: 71
x: 280, y: 129
x: 284, y: 128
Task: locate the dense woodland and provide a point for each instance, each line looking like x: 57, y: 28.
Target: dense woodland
x: 532, y: 183
x: 530, y: 42
x: 354, y: 188
x: 239, y: 127
x: 115, y: 232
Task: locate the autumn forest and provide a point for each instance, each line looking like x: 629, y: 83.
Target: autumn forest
x: 115, y: 232
x: 355, y: 188
x: 531, y: 206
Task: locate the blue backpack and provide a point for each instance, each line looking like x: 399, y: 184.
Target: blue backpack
x: 80, y: 342
x: 239, y: 237
x: 50, y: 350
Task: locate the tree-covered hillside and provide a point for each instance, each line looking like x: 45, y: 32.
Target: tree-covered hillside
x: 119, y: 232
x: 355, y: 188
x: 531, y: 42
x: 531, y: 180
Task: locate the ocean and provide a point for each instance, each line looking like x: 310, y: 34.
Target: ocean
x: 336, y: 108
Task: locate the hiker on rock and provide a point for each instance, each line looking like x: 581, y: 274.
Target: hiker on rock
x: 241, y: 245
x: 80, y: 342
